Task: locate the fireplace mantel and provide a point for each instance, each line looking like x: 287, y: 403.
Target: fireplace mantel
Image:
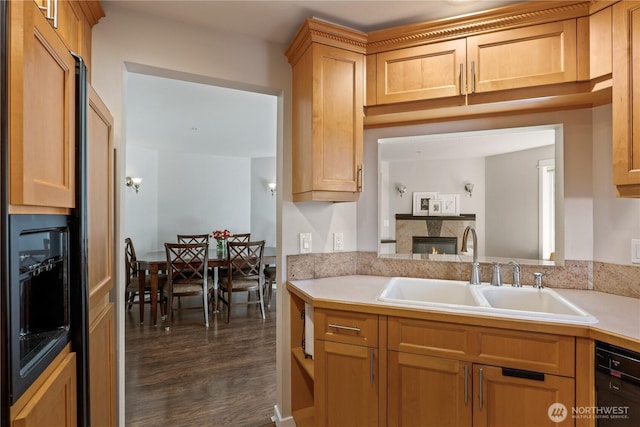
x: 461, y: 217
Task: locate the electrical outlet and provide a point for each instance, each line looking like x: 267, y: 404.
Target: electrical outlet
x: 338, y: 241
x: 635, y: 251
x: 305, y: 243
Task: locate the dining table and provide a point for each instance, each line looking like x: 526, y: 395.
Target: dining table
x: 153, y: 262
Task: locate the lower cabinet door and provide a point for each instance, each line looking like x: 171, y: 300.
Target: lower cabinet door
x: 346, y: 385
x: 428, y: 391
x: 506, y: 398
x: 54, y: 404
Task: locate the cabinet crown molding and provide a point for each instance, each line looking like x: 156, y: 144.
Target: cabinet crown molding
x: 528, y: 13
x: 327, y: 33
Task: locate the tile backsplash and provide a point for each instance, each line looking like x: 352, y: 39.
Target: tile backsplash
x: 589, y: 275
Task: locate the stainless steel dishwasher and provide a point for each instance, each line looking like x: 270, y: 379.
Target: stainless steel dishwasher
x: 617, y: 386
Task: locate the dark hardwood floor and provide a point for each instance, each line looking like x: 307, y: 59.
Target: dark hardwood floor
x: 193, y: 376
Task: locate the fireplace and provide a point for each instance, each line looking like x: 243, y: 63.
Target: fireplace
x: 434, y: 245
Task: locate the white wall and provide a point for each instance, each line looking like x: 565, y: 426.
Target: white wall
x: 199, y: 194
x: 263, y: 203
x: 141, y: 208
x: 616, y: 220
x: 512, y: 203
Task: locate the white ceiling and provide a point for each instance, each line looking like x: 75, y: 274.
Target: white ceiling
x: 466, y: 144
x: 161, y: 112
x: 278, y: 21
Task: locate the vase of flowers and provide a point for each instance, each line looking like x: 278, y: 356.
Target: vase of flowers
x: 221, y: 237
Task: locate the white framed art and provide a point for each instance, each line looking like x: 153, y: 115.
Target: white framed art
x: 435, y: 208
x: 450, y: 204
x: 421, y: 202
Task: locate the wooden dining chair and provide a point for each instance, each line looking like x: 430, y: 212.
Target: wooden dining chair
x: 193, y: 238
x: 187, y: 275
x: 245, y: 266
x: 239, y: 237
x: 131, y: 278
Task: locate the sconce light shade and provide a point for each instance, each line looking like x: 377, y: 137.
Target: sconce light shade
x: 468, y: 187
x: 134, y: 182
x: 401, y: 189
x: 272, y: 187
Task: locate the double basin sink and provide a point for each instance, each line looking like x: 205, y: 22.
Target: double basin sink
x: 526, y: 302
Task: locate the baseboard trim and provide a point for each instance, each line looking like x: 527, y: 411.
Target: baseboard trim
x: 280, y: 421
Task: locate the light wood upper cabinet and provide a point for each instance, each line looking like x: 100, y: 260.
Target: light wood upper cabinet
x: 328, y: 98
x: 626, y: 98
x: 523, y: 57
x: 511, y: 59
x: 424, y: 72
x: 72, y: 20
x: 41, y: 112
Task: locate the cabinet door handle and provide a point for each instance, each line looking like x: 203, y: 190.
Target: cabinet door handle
x: 466, y: 384
x: 55, y: 14
x: 371, y: 366
x: 346, y: 328
x: 461, y: 79
x: 359, y: 178
x: 473, y: 76
x: 480, y: 396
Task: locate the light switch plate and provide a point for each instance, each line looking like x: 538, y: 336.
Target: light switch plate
x: 305, y: 243
x: 338, y: 241
x: 635, y: 251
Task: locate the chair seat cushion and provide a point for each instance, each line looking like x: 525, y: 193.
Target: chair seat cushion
x: 188, y: 288
x: 242, y: 284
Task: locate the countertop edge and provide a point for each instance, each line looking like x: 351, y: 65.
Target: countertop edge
x: 343, y: 293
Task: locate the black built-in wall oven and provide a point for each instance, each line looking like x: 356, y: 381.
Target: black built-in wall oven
x: 39, y: 295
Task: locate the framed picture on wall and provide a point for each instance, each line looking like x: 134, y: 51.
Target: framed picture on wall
x: 435, y: 208
x: 450, y: 204
x: 421, y: 202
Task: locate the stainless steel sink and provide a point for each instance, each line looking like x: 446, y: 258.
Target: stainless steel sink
x: 505, y: 301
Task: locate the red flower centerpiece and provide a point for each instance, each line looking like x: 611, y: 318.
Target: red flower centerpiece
x: 221, y: 237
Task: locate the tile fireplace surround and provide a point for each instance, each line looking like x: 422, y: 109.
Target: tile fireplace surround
x: 408, y: 226
x: 615, y: 279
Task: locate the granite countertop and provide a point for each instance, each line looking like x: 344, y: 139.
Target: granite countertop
x: 618, y: 316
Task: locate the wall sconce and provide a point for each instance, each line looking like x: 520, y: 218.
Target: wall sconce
x: 401, y: 189
x: 133, y: 182
x: 468, y: 187
x: 272, y: 187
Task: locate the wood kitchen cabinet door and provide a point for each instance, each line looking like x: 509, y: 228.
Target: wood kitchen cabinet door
x: 523, y: 57
x: 626, y: 98
x: 41, y: 113
x: 54, y: 404
x: 434, y: 70
x: 505, y: 400
x: 428, y: 391
x: 100, y: 255
x: 346, y: 385
x: 328, y: 92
